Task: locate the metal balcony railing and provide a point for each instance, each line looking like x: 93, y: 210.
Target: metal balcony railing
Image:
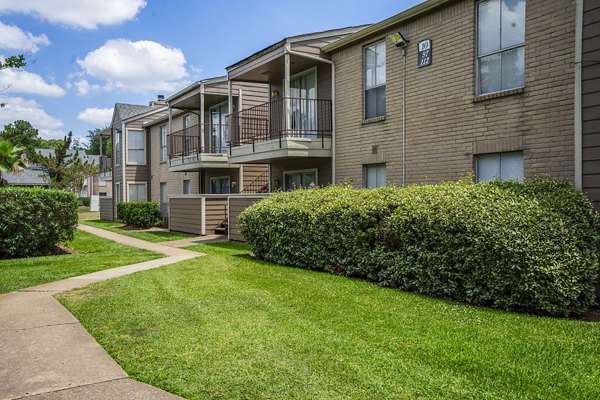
x: 287, y: 117
x: 105, y: 164
x: 187, y: 142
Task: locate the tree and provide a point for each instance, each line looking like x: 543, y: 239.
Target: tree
x: 21, y: 134
x: 94, y: 143
x: 10, y: 159
x: 66, y: 171
x: 17, y: 61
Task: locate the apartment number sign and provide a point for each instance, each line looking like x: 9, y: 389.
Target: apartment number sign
x: 424, y: 57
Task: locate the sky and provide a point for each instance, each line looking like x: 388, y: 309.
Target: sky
x: 86, y: 55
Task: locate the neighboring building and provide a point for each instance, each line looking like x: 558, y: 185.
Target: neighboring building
x: 32, y: 176
x: 292, y: 130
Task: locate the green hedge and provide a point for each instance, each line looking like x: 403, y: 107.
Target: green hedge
x: 528, y: 247
x: 139, y: 214
x: 85, y: 201
x: 34, y: 221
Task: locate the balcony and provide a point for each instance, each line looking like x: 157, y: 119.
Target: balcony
x: 105, y: 168
x: 288, y: 127
x: 199, y: 147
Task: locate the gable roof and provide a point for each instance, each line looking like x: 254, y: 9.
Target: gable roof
x: 125, y: 111
x: 31, y: 176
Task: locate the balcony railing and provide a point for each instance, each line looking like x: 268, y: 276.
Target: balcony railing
x: 187, y: 142
x: 278, y: 119
x: 105, y: 164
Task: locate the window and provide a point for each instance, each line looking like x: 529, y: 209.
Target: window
x: 164, y: 199
x: 186, y: 187
x: 502, y: 166
x: 501, y: 47
x: 219, y: 185
x: 136, y: 192
x: 300, y: 179
x: 375, y: 80
x: 117, y: 144
x: 163, y: 143
x: 101, y: 183
x: 117, y: 192
x: 136, y: 147
x: 375, y: 176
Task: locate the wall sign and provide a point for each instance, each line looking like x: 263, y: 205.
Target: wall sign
x: 424, y: 57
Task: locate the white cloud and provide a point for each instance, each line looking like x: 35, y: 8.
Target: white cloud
x: 20, y: 81
x: 13, y: 38
x: 87, y: 14
x: 96, y: 116
x: 18, y: 108
x: 135, y: 66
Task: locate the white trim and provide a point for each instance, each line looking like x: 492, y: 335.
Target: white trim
x: 114, y: 149
x: 160, y: 147
x: 145, y: 147
x: 315, y: 170
x: 578, y: 178
x: 203, y: 216
x: 117, y: 195
x: 137, y: 183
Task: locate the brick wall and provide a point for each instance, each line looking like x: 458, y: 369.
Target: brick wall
x: 445, y: 124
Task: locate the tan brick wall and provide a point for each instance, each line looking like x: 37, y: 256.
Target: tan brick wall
x: 445, y: 126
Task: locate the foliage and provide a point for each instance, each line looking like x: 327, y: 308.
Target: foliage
x: 67, y: 172
x: 528, y: 247
x: 85, y: 201
x: 34, y: 221
x: 16, y: 61
x: 10, y: 159
x: 139, y: 214
x: 21, y: 134
x: 228, y: 326
x: 93, y: 146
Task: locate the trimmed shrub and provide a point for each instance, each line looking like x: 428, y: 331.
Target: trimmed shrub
x: 139, y: 214
x: 34, y: 221
x: 528, y: 247
x: 85, y: 201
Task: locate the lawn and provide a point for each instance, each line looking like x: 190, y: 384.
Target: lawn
x: 227, y: 326
x: 150, y: 236
x: 92, y: 254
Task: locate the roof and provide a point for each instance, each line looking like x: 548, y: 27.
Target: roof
x: 81, y: 153
x: 31, y: 176
x: 195, y: 85
x: 386, y: 24
x: 293, y: 39
x: 127, y: 111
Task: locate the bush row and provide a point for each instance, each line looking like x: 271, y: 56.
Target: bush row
x: 34, y: 221
x: 139, y: 214
x: 528, y: 247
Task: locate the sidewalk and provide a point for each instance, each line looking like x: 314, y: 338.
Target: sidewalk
x: 46, y: 353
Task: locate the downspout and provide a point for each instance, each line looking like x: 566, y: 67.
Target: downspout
x: 404, y: 116
x: 578, y: 179
x: 295, y: 53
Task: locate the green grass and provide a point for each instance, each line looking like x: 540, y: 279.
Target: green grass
x: 226, y: 326
x: 150, y: 236
x: 93, y: 254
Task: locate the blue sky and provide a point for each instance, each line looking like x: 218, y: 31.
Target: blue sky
x: 88, y: 54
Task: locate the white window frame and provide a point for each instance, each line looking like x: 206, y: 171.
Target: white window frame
x: 478, y: 56
x: 214, y: 178
x: 364, y: 79
x: 117, y: 147
x: 137, y: 183
x: 145, y: 147
x: 163, y: 145
x: 299, y: 171
x: 366, y: 174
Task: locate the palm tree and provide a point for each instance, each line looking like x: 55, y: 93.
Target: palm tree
x: 10, y: 159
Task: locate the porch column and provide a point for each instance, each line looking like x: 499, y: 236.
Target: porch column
x: 100, y: 148
x: 286, y: 92
x: 202, y: 117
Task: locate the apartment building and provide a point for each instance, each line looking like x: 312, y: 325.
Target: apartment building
x: 452, y: 87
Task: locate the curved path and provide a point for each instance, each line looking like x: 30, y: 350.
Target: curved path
x: 45, y: 353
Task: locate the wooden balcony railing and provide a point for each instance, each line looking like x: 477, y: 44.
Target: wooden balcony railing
x: 187, y: 142
x: 287, y: 117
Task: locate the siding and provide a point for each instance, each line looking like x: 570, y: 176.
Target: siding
x: 185, y: 215
x: 215, y: 213
x: 591, y: 101
x: 237, y: 204
x: 445, y: 122
x: 106, y: 208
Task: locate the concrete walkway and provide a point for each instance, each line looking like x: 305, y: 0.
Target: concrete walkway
x: 45, y: 353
